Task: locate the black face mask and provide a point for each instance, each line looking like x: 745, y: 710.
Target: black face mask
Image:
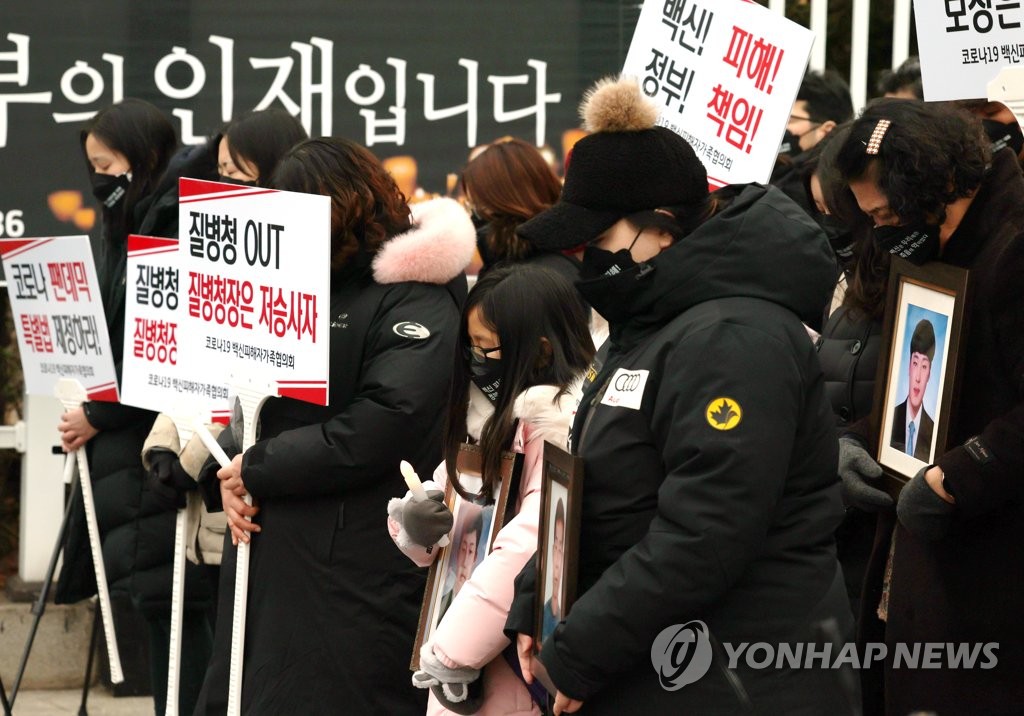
x: 917, y: 243
x: 598, y: 262
x: 614, y: 293
x: 239, y: 182
x: 840, y: 238
x: 790, y: 143
x: 1004, y: 135
x: 110, y: 189
x: 487, y: 377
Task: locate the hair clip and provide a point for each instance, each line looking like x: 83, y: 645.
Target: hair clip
x: 875, y: 141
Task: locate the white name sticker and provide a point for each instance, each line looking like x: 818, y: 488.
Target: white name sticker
x: 626, y: 389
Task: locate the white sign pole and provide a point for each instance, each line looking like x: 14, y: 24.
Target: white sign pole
x: 186, y: 422
x: 251, y: 399
x: 184, y: 427
x: 71, y: 393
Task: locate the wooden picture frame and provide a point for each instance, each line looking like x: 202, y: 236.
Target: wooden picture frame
x: 561, y: 484
x: 444, y: 577
x: 925, y: 307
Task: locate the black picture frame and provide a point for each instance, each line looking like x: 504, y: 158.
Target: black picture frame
x: 935, y: 294
x: 561, y: 480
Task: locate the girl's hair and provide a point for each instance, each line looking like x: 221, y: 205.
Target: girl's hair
x: 366, y: 206
x: 522, y: 304
x: 146, y: 138
x: 261, y: 138
x: 508, y: 183
x: 930, y: 156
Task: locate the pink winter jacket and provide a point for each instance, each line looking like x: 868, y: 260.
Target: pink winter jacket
x: 471, y: 631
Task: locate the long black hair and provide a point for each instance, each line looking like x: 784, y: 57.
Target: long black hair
x: 522, y: 304
x: 146, y: 138
x: 262, y: 138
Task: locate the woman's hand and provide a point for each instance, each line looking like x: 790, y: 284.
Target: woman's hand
x: 232, y: 492
x: 565, y: 705
x: 524, y: 647
x: 530, y: 665
x: 75, y: 430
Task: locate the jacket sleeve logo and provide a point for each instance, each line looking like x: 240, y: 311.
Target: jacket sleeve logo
x: 409, y: 329
x: 723, y: 413
x: 626, y: 389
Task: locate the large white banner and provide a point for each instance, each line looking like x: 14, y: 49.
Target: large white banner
x: 963, y: 44
x: 150, y: 376
x: 726, y: 73
x: 58, y: 315
x: 254, y: 288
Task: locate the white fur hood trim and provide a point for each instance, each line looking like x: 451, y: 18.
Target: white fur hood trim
x: 548, y: 418
x: 435, y: 250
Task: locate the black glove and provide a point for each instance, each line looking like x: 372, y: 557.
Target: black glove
x: 923, y: 512
x: 168, y: 482
x: 428, y: 520
x: 855, y: 464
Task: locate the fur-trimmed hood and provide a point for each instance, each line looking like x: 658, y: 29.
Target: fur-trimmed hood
x: 436, y: 249
x: 550, y: 417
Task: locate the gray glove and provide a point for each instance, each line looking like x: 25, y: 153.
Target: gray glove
x: 427, y: 521
x: 923, y: 512
x: 458, y: 690
x: 856, y: 465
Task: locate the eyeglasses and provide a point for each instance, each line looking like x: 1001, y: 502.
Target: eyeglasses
x: 799, y: 118
x: 478, y: 355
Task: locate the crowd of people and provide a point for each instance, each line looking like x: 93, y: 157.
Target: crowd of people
x: 737, y: 483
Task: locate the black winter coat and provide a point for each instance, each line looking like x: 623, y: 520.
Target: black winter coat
x: 332, y: 604
x: 714, y: 495
x: 968, y: 586
x: 136, y: 532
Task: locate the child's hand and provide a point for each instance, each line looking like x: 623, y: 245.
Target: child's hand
x: 427, y: 521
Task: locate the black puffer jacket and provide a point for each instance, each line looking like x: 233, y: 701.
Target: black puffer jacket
x: 848, y: 350
x: 710, y: 488
x: 136, y: 532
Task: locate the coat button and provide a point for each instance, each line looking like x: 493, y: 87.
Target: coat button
x: 855, y: 348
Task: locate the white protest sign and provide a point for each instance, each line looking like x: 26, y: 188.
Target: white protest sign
x: 964, y: 43
x: 58, y: 315
x: 725, y: 74
x: 151, y: 376
x: 254, y: 287
x: 1008, y: 88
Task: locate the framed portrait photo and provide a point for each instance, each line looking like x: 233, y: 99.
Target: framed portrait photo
x: 476, y: 524
x: 557, y: 539
x: 922, y: 346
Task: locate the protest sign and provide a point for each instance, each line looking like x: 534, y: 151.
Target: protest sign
x: 254, y: 287
x: 58, y: 315
x: 151, y: 375
x: 964, y: 44
x: 725, y: 75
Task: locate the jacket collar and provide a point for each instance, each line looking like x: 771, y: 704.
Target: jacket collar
x: 993, y: 205
x: 549, y: 415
